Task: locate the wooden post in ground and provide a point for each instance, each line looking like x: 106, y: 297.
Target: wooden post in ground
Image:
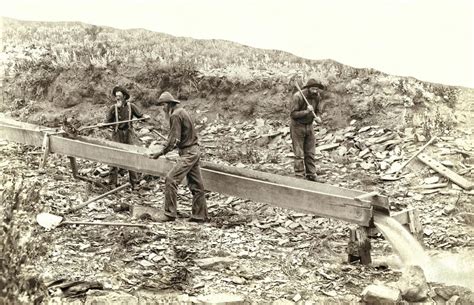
x: 46, y: 150
x: 73, y: 163
x: 75, y: 174
x: 359, y: 246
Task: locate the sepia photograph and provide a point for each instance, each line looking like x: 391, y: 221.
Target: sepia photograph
x: 237, y: 152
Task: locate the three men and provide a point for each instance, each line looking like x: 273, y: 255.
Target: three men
x: 302, y: 116
x: 182, y: 135
x: 123, y: 133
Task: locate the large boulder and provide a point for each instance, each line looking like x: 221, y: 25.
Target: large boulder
x: 412, y: 284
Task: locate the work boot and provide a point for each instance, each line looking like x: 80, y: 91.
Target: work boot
x: 311, y: 177
x: 198, y: 220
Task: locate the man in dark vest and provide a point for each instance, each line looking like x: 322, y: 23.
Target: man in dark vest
x: 301, y: 128
x: 183, y: 136
x: 123, y: 133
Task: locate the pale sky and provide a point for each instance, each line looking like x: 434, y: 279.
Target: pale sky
x: 432, y: 40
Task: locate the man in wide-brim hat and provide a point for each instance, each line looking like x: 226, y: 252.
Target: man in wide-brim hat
x: 302, y: 117
x: 123, y: 110
x: 183, y: 136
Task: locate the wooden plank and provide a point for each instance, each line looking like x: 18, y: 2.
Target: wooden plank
x: 446, y: 172
x: 19, y: 135
x: 402, y: 217
x: 311, y: 201
x: 323, y: 204
x: 307, y: 199
x: 300, y: 183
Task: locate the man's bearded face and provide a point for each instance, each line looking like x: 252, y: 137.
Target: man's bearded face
x: 313, y: 91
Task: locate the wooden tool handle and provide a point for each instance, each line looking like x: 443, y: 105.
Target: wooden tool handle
x: 112, y: 124
x: 304, y: 97
x: 80, y: 206
x: 99, y: 223
x: 416, y: 154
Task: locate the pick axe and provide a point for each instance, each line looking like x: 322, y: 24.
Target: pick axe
x: 317, y: 119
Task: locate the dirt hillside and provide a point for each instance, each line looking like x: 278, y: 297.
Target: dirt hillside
x: 64, y: 79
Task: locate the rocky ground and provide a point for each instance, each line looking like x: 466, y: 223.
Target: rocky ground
x: 249, y: 250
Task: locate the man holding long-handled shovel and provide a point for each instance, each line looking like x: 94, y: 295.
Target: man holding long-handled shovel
x: 303, y: 112
x: 123, y: 133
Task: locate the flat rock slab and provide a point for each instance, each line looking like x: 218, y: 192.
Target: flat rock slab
x: 141, y: 212
x: 208, y: 263
x: 380, y: 294
x: 221, y: 299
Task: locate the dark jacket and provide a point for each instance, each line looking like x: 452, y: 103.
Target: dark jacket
x: 182, y: 132
x: 299, y: 110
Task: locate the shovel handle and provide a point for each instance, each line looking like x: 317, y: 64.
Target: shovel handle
x: 112, y: 124
x: 80, y: 206
x: 99, y: 223
x: 414, y: 155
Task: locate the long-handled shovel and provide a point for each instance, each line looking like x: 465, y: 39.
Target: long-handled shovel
x: 51, y: 221
x: 80, y: 206
x: 112, y: 124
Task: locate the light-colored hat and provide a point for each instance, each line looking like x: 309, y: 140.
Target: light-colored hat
x: 166, y: 97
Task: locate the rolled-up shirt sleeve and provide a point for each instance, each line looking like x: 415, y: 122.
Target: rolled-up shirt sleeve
x: 136, y: 112
x: 174, y: 136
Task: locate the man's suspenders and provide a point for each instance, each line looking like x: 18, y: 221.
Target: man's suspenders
x: 116, y: 118
x: 129, y: 115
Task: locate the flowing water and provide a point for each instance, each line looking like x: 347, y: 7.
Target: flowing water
x: 448, y: 268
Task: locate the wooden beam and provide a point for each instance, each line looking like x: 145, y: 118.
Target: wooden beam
x: 446, y: 172
x: 286, y: 192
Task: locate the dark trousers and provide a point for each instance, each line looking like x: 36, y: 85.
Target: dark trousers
x: 302, y: 137
x: 126, y: 136
x: 186, y: 166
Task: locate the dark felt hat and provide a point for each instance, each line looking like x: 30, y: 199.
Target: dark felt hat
x: 166, y: 97
x: 313, y: 83
x: 124, y: 91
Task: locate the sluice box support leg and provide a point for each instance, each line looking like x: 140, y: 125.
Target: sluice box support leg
x: 359, y: 245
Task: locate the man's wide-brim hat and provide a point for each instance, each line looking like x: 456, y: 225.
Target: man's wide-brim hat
x: 313, y: 83
x: 124, y: 91
x: 166, y: 97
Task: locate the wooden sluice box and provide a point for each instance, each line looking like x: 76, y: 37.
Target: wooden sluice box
x: 355, y: 207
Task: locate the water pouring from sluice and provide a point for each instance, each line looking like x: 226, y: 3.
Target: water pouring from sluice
x: 444, y: 267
